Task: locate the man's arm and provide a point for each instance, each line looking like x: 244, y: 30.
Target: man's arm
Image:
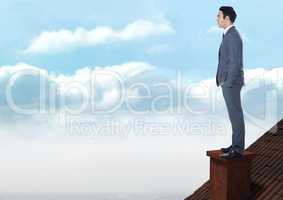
x: 234, y: 51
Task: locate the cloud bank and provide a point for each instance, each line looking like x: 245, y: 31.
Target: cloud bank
x: 56, y: 150
x: 133, y: 88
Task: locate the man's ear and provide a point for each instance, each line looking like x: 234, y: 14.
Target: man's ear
x: 227, y: 18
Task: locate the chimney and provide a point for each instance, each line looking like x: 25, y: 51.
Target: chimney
x: 229, y: 179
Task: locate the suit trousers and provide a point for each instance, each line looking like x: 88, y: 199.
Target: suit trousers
x: 232, y: 99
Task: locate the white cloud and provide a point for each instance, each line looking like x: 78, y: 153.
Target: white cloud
x: 63, y: 40
x: 138, y: 79
x: 214, y: 29
x: 99, y: 88
x: 27, y: 85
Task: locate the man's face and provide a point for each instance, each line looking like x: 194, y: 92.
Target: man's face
x: 220, y: 20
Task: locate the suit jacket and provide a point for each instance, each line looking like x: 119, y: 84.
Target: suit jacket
x: 230, y: 60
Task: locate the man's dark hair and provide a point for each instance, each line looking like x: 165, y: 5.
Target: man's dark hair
x: 229, y: 11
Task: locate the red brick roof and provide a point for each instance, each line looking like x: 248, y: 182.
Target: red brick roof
x: 266, y: 170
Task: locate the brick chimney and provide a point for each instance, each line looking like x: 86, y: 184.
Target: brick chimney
x: 229, y: 179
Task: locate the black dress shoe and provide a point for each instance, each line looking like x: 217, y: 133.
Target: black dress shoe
x: 232, y: 155
x: 226, y: 150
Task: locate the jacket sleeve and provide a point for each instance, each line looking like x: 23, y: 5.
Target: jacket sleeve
x: 234, y: 51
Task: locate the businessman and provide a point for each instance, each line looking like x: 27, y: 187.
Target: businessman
x: 230, y: 76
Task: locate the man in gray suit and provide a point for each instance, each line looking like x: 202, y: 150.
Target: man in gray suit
x: 230, y: 76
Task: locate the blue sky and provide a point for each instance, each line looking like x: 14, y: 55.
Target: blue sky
x: 190, y: 48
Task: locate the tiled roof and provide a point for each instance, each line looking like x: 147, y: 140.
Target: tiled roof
x: 266, y: 170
